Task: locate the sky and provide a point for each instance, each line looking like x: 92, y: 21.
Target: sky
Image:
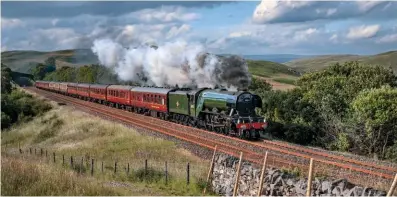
x: 238, y: 27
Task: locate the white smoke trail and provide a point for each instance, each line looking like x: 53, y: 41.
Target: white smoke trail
x: 174, y: 63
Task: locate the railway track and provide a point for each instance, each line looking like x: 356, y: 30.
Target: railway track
x: 281, y: 154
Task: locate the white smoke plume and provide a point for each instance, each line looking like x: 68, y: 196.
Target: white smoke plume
x: 174, y: 63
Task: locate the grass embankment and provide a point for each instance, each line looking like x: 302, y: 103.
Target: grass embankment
x: 21, y: 178
x: 74, y: 133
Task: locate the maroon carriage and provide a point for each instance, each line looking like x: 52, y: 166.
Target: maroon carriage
x: 98, y: 92
x: 119, y: 96
x: 151, y: 100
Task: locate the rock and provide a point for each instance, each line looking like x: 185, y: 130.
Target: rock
x: 326, y: 187
x: 336, y: 191
x: 277, y: 183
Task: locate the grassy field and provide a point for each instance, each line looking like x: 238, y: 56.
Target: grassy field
x: 74, y: 133
x: 21, y: 177
x: 280, y: 76
x: 318, y: 63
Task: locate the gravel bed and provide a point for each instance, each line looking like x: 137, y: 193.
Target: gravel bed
x: 344, y: 154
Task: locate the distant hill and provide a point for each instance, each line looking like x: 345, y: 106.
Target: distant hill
x: 277, y: 74
x: 320, y: 62
x: 24, y: 61
x: 279, y: 58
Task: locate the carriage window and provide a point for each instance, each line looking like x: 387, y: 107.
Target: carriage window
x: 162, y: 100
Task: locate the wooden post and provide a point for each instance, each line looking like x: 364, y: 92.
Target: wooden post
x: 262, y: 175
x: 34, y: 151
x: 71, y: 162
x: 188, y: 173
x: 145, y: 167
x: 92, y: 167
x: 309, y: 180
x: 166, y: 173
x: 19, y: 146
x: 81, y: 165
x: 63, y: 159
x: 210, y: 170
x: 238, y: 175
x: 102, y: 167
x: 128, y: 168
x: 115, y: 167
x: 392, y: 187
x: 53, y: 154
x: 41, y: 152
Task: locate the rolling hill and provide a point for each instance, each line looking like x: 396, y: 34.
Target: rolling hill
x: 24, y: 61
x: 321, y: 62
x: 279, y: 75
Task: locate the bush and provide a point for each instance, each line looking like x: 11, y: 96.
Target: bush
x: 20, y: 106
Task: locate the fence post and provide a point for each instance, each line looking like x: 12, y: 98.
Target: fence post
x: 81, y: 165
x: 41, y: 152
x: 145, y: 167
x: 35, y: 151
x: 71, y: 162
x: 392, y: 187
x: 19, y: 146
x: 115, y: 167
x: 63, y: 159
x: 92, y: 167
x: 188, y: 173
x: 53, y: 154
x: 128, y: 168
x: 262, y: 175
x: 30, y: 150
x: 210, y: 170
x: 309, y: 180
x: 238, y: 175
x: 166, y: 173
x: 102, y: 166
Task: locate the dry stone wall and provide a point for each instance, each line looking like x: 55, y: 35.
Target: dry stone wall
x: 276, y: 182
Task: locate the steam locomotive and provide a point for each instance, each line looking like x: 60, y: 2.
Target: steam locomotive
x: 218, y: 110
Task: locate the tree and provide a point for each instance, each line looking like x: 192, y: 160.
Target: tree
x: 5, y: 79
x: 50, y: 61
x: 258, y: 85
x: 375, y: 114
x: 333, y: 89
x: 40, y: 71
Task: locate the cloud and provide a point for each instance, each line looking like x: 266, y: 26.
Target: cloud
x: 362, y: 31
x: 176, y: 31
x: 387, y: 39
x: 8, y: 23
x: 12, y: 9
x: 3, y: 48
x: 54, y: 21
x: 275, y: 11
x: 164, y: 15
x: 239, y: 34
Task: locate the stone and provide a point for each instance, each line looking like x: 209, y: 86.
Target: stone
x: 336, y: 191
x: 326, y: 187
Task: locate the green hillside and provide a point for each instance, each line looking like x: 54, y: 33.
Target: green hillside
x: 24, y: 61
x: 318, y: 63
